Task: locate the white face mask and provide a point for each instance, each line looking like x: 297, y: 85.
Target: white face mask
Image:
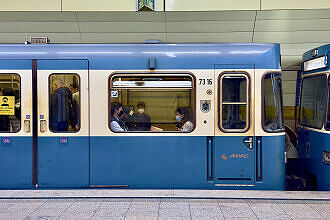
x: 140, y: 110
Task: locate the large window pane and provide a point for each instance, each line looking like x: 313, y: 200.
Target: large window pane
x: 273, y: 108
x: 327, y: 126
x: 233, y: 112
x: 313, y: 101
x: 153, y: 103
x: 64, y: 103
x: 10, y: 107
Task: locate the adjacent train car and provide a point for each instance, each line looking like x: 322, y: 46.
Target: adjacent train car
x: 314, y: 116
x: 193, y: 116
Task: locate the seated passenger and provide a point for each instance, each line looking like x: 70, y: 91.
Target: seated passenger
x: 141, y: 120
x: 184, y: 117
x: 116, y: 124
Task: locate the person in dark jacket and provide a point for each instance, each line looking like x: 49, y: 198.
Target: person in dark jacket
x: 62, y: 110
x: 141, y: 120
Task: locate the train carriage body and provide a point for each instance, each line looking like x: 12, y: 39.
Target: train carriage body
x: 314, y: 116
x: 232, y: 92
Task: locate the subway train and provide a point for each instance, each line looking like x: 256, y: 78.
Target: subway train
x: 314, y: 116
x: 142, y: 116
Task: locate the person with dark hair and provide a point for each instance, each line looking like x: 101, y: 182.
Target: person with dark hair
x: 142, y: 121
x: 62, y: 108
x: 116, y: 124
x: 184, y: 117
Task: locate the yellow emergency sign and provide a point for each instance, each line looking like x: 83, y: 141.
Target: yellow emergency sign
x: 7, y: 105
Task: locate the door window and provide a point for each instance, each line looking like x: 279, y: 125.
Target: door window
x: 64, y: 102
x: 10, y: 99
x: 234, y: 102
x: 152, y: 103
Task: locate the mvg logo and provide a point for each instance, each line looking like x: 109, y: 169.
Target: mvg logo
x: 235, y: 156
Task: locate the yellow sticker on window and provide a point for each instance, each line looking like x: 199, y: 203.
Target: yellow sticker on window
x: 7, y: 106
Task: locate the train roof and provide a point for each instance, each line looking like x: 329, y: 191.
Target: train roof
x: 167, y: 56
x: 316, y: 59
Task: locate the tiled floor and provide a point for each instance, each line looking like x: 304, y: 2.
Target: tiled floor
x: 90, y: 208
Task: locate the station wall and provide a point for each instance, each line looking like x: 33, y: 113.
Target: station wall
x: 168, y: 5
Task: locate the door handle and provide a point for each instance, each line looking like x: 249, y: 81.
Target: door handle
x: 43, y: 126
x: 27, y: 126
x: 249, y: 141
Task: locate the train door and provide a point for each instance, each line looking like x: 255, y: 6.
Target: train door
x: 63, y: 125
x: 15, y: 124
x: 234, y: 151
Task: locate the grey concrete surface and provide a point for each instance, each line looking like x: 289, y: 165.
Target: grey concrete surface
x: 176, y: 193
x: 153, y: 208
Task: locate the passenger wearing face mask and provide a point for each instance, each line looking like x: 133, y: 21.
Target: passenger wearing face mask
x: 141, y: 120
x: 116, y: 124
x: 184, y: 118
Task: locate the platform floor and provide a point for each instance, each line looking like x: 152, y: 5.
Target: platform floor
x: 156, y: 204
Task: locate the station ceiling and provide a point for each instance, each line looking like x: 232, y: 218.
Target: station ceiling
x: 296, y: 30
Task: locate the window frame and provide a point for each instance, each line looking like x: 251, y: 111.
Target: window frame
x: 72, y: 132
x: 20, y: 97
x: 300, y: 99
x: 248, y: 101
x: 159, y: 74
x: 263, y: 102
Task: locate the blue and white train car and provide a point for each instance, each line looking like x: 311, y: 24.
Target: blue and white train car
x: 197, y: 116
x: 314, y: 116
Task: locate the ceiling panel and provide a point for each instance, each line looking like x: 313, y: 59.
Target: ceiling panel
x: 38, y: 16
x: 210, y: 26
x: 123, y: 27
x: 37, y: 27
x: 293, y: 14
x: 211, y: 16
x: 121, y: 16
x: 293, y: 37
x: 292, y: 25
x: 210, y: 37
x: 121, y: 37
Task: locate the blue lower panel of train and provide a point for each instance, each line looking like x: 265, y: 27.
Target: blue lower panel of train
x: 63, y: 162
x: 16, y: 162
x: 311, y: 148
x: 149, y: 162
x: 184, y: 162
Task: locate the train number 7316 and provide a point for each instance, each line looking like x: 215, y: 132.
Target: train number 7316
x: 205, y: 82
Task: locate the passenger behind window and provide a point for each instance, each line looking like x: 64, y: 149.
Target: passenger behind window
x: 75, y: 92
x: 142, y: 121
x: 127, y: 117
x: 62, y: 112
x: 116, y: 124
x: 184, y: 118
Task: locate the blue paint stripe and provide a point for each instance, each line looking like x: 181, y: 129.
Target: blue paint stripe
x: 10, y: 64
x: 62, y: 65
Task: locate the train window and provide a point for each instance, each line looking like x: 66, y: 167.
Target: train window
x: 234, y: 106
x: 312, y: 105
x: 64, y: 102
x: 10, y: 107
x: 151, y: 103
x: 272, y: 103
x: 327, y: 126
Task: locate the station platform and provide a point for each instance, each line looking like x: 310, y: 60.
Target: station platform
x: 175, y: 193
x: 162, y: 204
